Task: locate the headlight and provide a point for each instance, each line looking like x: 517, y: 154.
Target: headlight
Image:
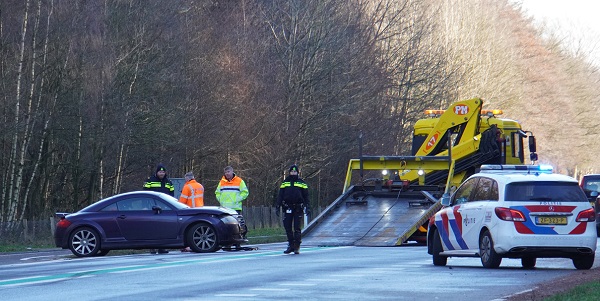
x: 228, y: 219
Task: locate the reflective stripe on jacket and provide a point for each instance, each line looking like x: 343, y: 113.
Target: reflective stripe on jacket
x: 230, y: 194
x: 192, y: 194
x: 293, y: 191
x: 155, y: 184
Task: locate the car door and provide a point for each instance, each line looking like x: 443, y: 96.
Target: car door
x: 450, y: 221
x: 475, y: 211
x: 138, y: 220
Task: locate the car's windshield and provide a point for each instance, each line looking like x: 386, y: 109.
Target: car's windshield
x: 544, y: 192
x: 173, y: 201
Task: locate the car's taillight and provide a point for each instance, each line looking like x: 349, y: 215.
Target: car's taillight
x: 507, y: 214
x: 63, y: 223
x: 588, y: 215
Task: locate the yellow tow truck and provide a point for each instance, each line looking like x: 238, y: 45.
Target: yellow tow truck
x: 393, y: 207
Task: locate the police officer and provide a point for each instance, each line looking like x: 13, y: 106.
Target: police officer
x: 293, y: 199
x: 160, y: 182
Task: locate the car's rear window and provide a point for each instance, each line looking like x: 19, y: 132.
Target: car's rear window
x: 591, y: 183
x: 544, y: 192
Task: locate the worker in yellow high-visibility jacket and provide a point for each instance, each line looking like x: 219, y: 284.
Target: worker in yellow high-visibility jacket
x: 231, y: 190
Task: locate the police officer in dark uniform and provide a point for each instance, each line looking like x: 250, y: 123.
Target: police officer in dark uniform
x: 160, y: 182
x: 293, y: 199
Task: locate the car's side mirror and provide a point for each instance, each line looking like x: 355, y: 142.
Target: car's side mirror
x: 157, y: 209
x: 594, y: 193
x: 445, y: 199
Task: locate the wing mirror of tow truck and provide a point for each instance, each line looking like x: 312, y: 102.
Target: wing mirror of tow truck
x: 594, y: 193
x: 156, y: 209
x: 445, y: 199
x: 532, y: 148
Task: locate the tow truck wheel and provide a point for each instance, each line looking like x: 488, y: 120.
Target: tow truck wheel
x: 489, y: 258
x: 438, y: 259
x: 528, y: 262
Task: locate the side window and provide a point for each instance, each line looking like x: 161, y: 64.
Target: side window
x: 135, y: 204
x: 495, y: 196
x: 162, y: 205
x: 464, y: 191
x: 111, y: 207
x: 485, y: 190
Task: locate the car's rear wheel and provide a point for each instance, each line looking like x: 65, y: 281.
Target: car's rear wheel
x: 584, y: 262
x: 489, y: 257
x: 528, y: 262
x: 84, y: 242
x: 438, y: 259
x: 203, y: 238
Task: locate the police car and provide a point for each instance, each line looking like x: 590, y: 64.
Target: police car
x: 515, y: 211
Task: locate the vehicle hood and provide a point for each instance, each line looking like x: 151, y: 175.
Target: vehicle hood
x: 207, y: 210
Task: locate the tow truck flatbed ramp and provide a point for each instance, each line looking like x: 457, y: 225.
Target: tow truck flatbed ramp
x: 374, y: 219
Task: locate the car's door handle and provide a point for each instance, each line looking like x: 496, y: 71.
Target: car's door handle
x: 122, y: 216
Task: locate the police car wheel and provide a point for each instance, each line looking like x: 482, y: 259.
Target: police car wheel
x: 584, y: 262
x: 438, y: 259
x: 528, y: 262
x: 489, y: 258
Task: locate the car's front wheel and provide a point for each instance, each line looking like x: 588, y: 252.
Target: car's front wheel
x: 438, y: 259
x: 584, y: 262
x: 489, y: 257
x: 203, y: 238
x: 84, y: 242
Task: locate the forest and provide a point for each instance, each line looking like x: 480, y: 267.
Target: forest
x: 94, y: 94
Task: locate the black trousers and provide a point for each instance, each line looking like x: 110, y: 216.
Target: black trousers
x: 292, y: 221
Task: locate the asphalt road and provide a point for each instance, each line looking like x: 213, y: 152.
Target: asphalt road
x: 332, y: 273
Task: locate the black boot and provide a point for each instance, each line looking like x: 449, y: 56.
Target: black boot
x: 297, y: 248
x: 289, y: 249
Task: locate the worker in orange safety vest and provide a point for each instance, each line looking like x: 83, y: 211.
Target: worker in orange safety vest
x: 192, y: 193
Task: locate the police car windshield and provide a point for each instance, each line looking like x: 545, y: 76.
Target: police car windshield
x: 544, y: 192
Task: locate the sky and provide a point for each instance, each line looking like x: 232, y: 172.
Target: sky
x: 578, y: 20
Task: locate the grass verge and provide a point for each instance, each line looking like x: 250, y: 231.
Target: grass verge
x: 585, y: 292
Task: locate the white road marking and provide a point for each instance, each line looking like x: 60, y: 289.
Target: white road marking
x: 236, y: 295
x: 298, y: 284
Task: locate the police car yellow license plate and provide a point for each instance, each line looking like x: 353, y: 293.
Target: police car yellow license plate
x: 551, y: 220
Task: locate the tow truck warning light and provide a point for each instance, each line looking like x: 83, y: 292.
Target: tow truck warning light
x: 489, y: 113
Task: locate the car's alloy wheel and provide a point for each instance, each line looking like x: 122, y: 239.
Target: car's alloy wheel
x: 489, y: 257
x: 84, y: 242
x: 203, y: 238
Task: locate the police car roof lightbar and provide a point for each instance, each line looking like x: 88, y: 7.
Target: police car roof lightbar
x: 544, y: 168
